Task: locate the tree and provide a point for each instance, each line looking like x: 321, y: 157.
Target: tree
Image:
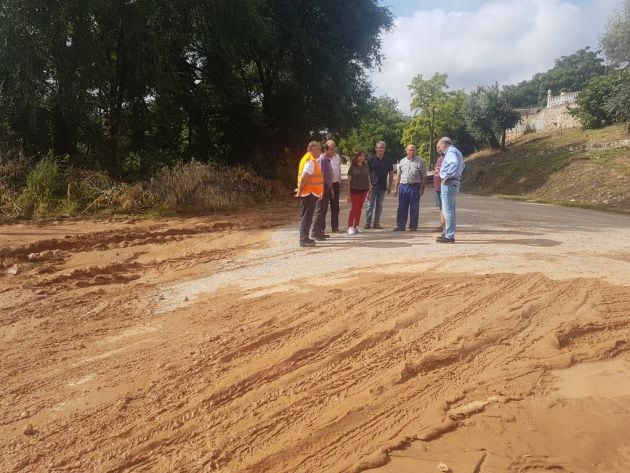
x: 380, y: 121
x: 605, y: 100
x: 569, y: 74
x: 618, y: 105
x: 615, y: 42
x: 437, y: 113
x: 312, y: 75
x: 489, y: 115
x: 154, y: 81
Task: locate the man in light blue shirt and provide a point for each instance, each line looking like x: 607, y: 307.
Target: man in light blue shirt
x: 451, y: 174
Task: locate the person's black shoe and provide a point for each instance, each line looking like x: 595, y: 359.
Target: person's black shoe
x: 367, y: 226
x: 318, y: 237
x: 377, y: 226
x: 307, y: 243
x: 325, y: 235
x: 442, y: 239
x: 399, y: 229
x: 440, y: 229
x: 309, y: 240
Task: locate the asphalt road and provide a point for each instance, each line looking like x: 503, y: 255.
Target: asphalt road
x: 493, y: 236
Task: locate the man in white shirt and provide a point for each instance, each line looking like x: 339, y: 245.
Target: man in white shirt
x: 336, y: 187
x: 310, y: 190
x: 411, y: 179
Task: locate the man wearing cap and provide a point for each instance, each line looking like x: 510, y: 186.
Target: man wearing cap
x: 310, y: 189
x: 410, y: 182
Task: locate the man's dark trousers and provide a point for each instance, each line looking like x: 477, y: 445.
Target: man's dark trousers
x: 334, y: 208
x: 309, y: 203
x: 319, y: 221
x: 408, y: 203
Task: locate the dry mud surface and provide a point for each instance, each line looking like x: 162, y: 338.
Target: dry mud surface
x: 216, y: 344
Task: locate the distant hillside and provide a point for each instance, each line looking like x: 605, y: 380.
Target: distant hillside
x: 585, y: 168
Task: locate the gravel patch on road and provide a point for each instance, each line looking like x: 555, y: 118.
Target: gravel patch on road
x: 494, y: 236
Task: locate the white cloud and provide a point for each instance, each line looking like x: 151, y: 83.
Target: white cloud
x: 503, y: 41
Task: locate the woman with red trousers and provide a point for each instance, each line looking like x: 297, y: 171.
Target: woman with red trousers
x: 358, y: 188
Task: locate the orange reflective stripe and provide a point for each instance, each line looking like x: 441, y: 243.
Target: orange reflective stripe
x: 313, y: 181
x: 307, y: 157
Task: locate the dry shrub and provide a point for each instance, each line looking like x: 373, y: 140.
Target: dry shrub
x: 14, y: 167
x: 50, y: 189
x: 131, y: 198
x: 9, y: 209
x: 89, y: 191
x: 197, y: 187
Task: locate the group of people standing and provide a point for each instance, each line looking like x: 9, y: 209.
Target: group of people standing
x: 319, y: 186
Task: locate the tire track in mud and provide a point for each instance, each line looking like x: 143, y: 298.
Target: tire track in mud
x: 388, y: 414
x: 517, y: 328
x: 43, y: 249
x: 313, y: 382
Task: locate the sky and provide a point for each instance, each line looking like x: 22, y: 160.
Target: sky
x: 480, y: 42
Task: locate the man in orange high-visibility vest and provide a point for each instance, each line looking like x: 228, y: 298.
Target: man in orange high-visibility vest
x: 310, y: 189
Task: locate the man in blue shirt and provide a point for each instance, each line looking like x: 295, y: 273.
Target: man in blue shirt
x: 381, y: 177
x: 450, y: 174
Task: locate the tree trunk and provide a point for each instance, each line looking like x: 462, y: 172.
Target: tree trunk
x: 65, y: 120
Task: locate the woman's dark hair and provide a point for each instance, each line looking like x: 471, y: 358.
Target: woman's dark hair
x: 355, y: 157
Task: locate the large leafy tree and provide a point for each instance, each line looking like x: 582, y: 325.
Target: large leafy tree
x: 156, y: 80
x: 615, y: 42
x: 437, y: 112
x: 381, y: 120
x: 488, y: 115
x: 313, y: 77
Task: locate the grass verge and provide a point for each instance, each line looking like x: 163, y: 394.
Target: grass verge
x: 576, y: 168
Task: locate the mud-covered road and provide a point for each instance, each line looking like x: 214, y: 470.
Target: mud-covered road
x: 217, y: 344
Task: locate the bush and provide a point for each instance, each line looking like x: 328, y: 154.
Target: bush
x: 14, y: 168
x: 52, y: 189
x: 196, y: 187
x: 86, y: 187
x: 9, y: 210
x: 43, y: 185
x: 130, y: 198
x: 604, y: 101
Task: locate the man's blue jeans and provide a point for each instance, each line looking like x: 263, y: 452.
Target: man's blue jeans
x: 408, y: 203
x: 375, y: 206
x: 449, y: 193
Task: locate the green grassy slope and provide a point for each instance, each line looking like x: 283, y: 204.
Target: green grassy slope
x: 586, y: 168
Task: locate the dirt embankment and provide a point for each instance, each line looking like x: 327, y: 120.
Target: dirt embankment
x: 587, y: 168
x: 355, y: 370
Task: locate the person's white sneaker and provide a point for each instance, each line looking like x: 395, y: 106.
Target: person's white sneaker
x: 356, y: 229
x: 351, y: 231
